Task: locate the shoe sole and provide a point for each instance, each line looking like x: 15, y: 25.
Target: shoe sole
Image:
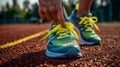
x: 83, y: 41
x: 88, y: 43
x: 71, y: 53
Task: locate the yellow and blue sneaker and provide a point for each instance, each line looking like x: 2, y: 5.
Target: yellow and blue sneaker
x: 63, y: 42
x: 85, y: 25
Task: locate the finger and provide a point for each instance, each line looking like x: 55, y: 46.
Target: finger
x: 53, y: 22
x: 61, y: 20
x: 41, y: 13
x: 53, y: 12
x: 47, y: 14
x: 60, y: 16
x: 39, y: 1
x: 42, y: 2
x: 52, y: 9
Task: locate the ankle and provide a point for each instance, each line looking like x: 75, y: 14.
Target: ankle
x: 83, y: 11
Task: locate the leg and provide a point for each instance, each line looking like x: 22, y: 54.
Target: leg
x: 84, y: 7
x: 81, y: 18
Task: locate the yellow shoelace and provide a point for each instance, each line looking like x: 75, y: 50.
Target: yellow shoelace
x: 89, y: 20
x: 59, y: 29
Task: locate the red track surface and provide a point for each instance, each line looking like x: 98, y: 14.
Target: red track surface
x: 28, y: 54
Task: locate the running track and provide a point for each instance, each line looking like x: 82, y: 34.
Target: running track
x: 19, y: 48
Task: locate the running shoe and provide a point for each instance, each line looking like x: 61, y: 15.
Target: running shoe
x: 85, y: 25
x: 63, y: 42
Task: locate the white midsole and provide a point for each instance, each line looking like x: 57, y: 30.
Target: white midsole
x: 85, y: 42
x: 57, y: 55
x: 52, y: 54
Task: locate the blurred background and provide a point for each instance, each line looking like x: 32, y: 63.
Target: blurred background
x: 26, y: 11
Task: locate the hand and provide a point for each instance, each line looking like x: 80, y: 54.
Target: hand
x: 52, y: 10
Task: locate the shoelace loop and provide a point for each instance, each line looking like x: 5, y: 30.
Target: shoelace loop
x: 59, y: 29
x: 63, y: 33
x: 89, y: 20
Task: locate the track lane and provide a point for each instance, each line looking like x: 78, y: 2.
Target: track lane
x: 9, y: 33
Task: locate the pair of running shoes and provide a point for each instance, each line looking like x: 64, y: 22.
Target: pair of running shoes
x: 64, y: 42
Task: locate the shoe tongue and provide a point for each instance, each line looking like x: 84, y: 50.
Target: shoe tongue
x: 88, y: 25
x: 74, y: 14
